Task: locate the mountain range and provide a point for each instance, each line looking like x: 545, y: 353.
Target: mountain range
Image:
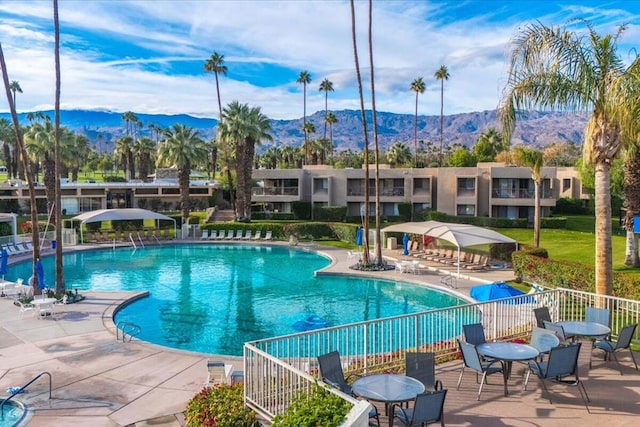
x: 535, y: 129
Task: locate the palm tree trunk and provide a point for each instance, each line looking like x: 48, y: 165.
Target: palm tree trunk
x: 250, y: 147
x: 183, y: 180
x: 377, y: 243
x: 415, y: 135
x: 536, y: 214
x: 240, y: 179
x: 57, y: 163
x: 603, y: 258
x: 441, y: 119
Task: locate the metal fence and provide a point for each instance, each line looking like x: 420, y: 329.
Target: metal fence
x: 278, y: 369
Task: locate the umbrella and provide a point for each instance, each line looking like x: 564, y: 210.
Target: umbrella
x: 405, y: 244
x: 359, y: 236
x: 3, y: 262
x: 40, y: 274
x: 494, y: 291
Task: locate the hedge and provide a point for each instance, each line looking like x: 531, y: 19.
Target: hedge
x: 330, y: 213
x: 480, y: 221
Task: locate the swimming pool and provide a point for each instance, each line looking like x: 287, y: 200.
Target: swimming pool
x: 213, y: 298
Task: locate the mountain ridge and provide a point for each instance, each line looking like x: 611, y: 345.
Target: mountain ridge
x: 535, y: 129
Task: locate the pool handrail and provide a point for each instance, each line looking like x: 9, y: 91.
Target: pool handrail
x: 21, y: 389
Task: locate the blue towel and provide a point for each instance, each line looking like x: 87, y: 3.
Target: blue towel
x: 12, y: 390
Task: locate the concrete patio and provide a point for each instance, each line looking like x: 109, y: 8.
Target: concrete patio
x: 98, y: 381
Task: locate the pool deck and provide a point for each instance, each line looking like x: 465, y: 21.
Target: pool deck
x: 98, y: 381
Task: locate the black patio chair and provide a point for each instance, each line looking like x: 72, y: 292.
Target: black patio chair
x: 474, y: 333
x: 624, y: 342
x: 471, y: 359
x: 427, y: 408
x: 542, y: 314
x: 422, y: 366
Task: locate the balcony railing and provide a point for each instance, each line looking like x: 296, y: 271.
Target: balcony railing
x: 274, y: 191
x: 395, y: 191
x: 521, y: 193
x: 278, y: 368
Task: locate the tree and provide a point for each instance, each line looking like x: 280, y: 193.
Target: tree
x: 144, y: 149
x: 124, y: 152
x: 35, y: 232
x: 631, y: 203
x: 418, y: 87
x: 398, y: 155
x: 60, y: 285
x: 554, y: 68
x: 215, y: 65
x: 14, y: 86
x: 489, y: 144
x: 304, y: 79
x: 40, y: 144
x: 326, y: 86
x: 7, y: 137
x: 331, y: 119
x: 182, y: 148
x: 442, y: 74
x: 532, y: 158
x: 131, y: 123
x: 307, y: 128
x: 461, y: 158
x: 243, y: 127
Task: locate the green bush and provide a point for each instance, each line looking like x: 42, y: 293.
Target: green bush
x: 502, y: 251
x: 404, y: 211
x: 301, y: 210
x: 553, y: 222
x: 114, y: 178
x: 219, y: 406
x: 319, y: 408
x: 344, y: 232
x: 569, y: 206
x: 330, y: 213
x: 309, y: 230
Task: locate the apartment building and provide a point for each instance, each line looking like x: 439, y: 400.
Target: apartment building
x: 488, y: 189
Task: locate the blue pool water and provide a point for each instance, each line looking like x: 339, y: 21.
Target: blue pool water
x: 12, y: 414
x: 213, y: 298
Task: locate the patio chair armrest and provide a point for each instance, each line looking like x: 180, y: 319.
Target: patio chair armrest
x: 392, y: 411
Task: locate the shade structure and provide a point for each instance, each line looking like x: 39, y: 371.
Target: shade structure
x: 461, y: 235
x: 493, y: 291
x: 4, y: 258
x: 40, y: 274
x: 119, y: 215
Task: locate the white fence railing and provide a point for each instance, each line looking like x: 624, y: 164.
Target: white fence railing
x: 278, y: 369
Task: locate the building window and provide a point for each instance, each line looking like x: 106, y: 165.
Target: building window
x: 321, y: 185
x: 466, y: 186
x: 466, y: 210
x: 566, y: 184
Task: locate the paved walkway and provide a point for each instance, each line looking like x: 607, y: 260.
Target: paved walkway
x: 98, y: 381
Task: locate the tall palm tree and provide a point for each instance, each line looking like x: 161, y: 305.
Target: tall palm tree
x: 442, y: 74
x: 124, y: 152
x: 244, y: 127
x: 80, y: 154
x: 331, y: 120
x: 532, y: 158
x: 131, y: 123
x: 35, y: 234
x: 304, y: 78
x: 365, y: 217
x: 7, y: 137
x: 631, y: 202
x: 144, y: 149
x: 555, y: 68
x: 212, y: 146
x: 15, y: 87
x: 418, y: 87
x: 40, y: 144
x: 308, y: 128
x: 326, y: 86
x: 182, y: 148
x: 60, y: 285
x: 215, y: 65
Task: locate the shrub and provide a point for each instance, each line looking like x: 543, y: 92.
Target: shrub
x: 330, y: 213
x: 569, y: 206
x: 404, y: 211
x: 502, y: 251
x: 114, y: 178
x: 344, y: 232
x: 318, y: 408
x: 220, y: 406
x: 557, y: 222
x: 301, y: 210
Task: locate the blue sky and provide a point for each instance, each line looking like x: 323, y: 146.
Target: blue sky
x: 147, y: 56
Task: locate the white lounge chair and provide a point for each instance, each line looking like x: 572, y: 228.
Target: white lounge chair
x: 11, y: 249
x: 213, y: 235
x: 247, y: 235
x: 205, y: 234
x: 238, y: 234
x: 229, y: 234
x: 258, y: 235
x: 218, y: 372
x: 268, y: 235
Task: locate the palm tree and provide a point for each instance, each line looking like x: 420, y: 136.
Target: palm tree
x: 365, y: 214
x: 631, y: 202
x: 418, y: 87
x: 78, y: 155
x: 308, y: 128
x: 304, y: 78
x: 532, y: 158
x: 489, y: 144
x: 215, y: 65
x: 442, y: 74
x: 40, y: 144
x: 182, y: 148
x: 60, y: 285
x: 131, y: 122
x: 398, y: 154
x: 326, y: 86
x: 331, y: 119
x: 124, y: 151
x: 554, y: 68
x: 35, y: 233
x: 243, y: 127
x: 144, y: 149
x: 14, y: 86
x: 7, y: 137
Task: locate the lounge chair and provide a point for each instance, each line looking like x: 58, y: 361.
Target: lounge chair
x: 258, y: 235
x: 480, y: 265
x: 229, y: 234
x: 247, y: 235
x: 205, y: 234
x: 213, y: 235
x: 268, y: 235
x: 238, y: 235
x: 218, y: 372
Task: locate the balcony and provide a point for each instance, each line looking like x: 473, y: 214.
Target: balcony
x: 521, y: 193
x: 275, y: 191
x: 384, y: 192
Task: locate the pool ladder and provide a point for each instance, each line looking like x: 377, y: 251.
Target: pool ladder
x: 126, y: 328
x: 21, y: 389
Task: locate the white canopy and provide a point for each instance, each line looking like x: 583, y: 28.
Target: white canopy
x: 461, y: 235
x: 118, y: 215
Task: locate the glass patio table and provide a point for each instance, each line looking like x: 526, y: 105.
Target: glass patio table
x: 584, y: 329
x: 507, y: 352
x: 387, y: 388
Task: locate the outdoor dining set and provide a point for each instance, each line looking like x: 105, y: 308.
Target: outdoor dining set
x: 551, y: 354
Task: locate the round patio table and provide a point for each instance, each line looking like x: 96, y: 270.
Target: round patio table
x: 507, y: 352
x: 584, y: 329
x: 387, y: 388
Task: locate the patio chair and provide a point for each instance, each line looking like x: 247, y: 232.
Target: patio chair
x: 543, y: 340
x: 25, y: 307
x: 422, y: 366
x: 331, y: 373
x: 213, y: 235
x: 427, y: 408
x: 238, y: 235
x: 481, y: 263
x: 221, y: 235
x: 205, y: 234
x: 471, y: 359
x: 556, y: 329
x: 624, y: 342
x: 542, y: 314
x: 474, y: 333
x: 45, y: 310
x: 597, y: 315
x: 562, y: 362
